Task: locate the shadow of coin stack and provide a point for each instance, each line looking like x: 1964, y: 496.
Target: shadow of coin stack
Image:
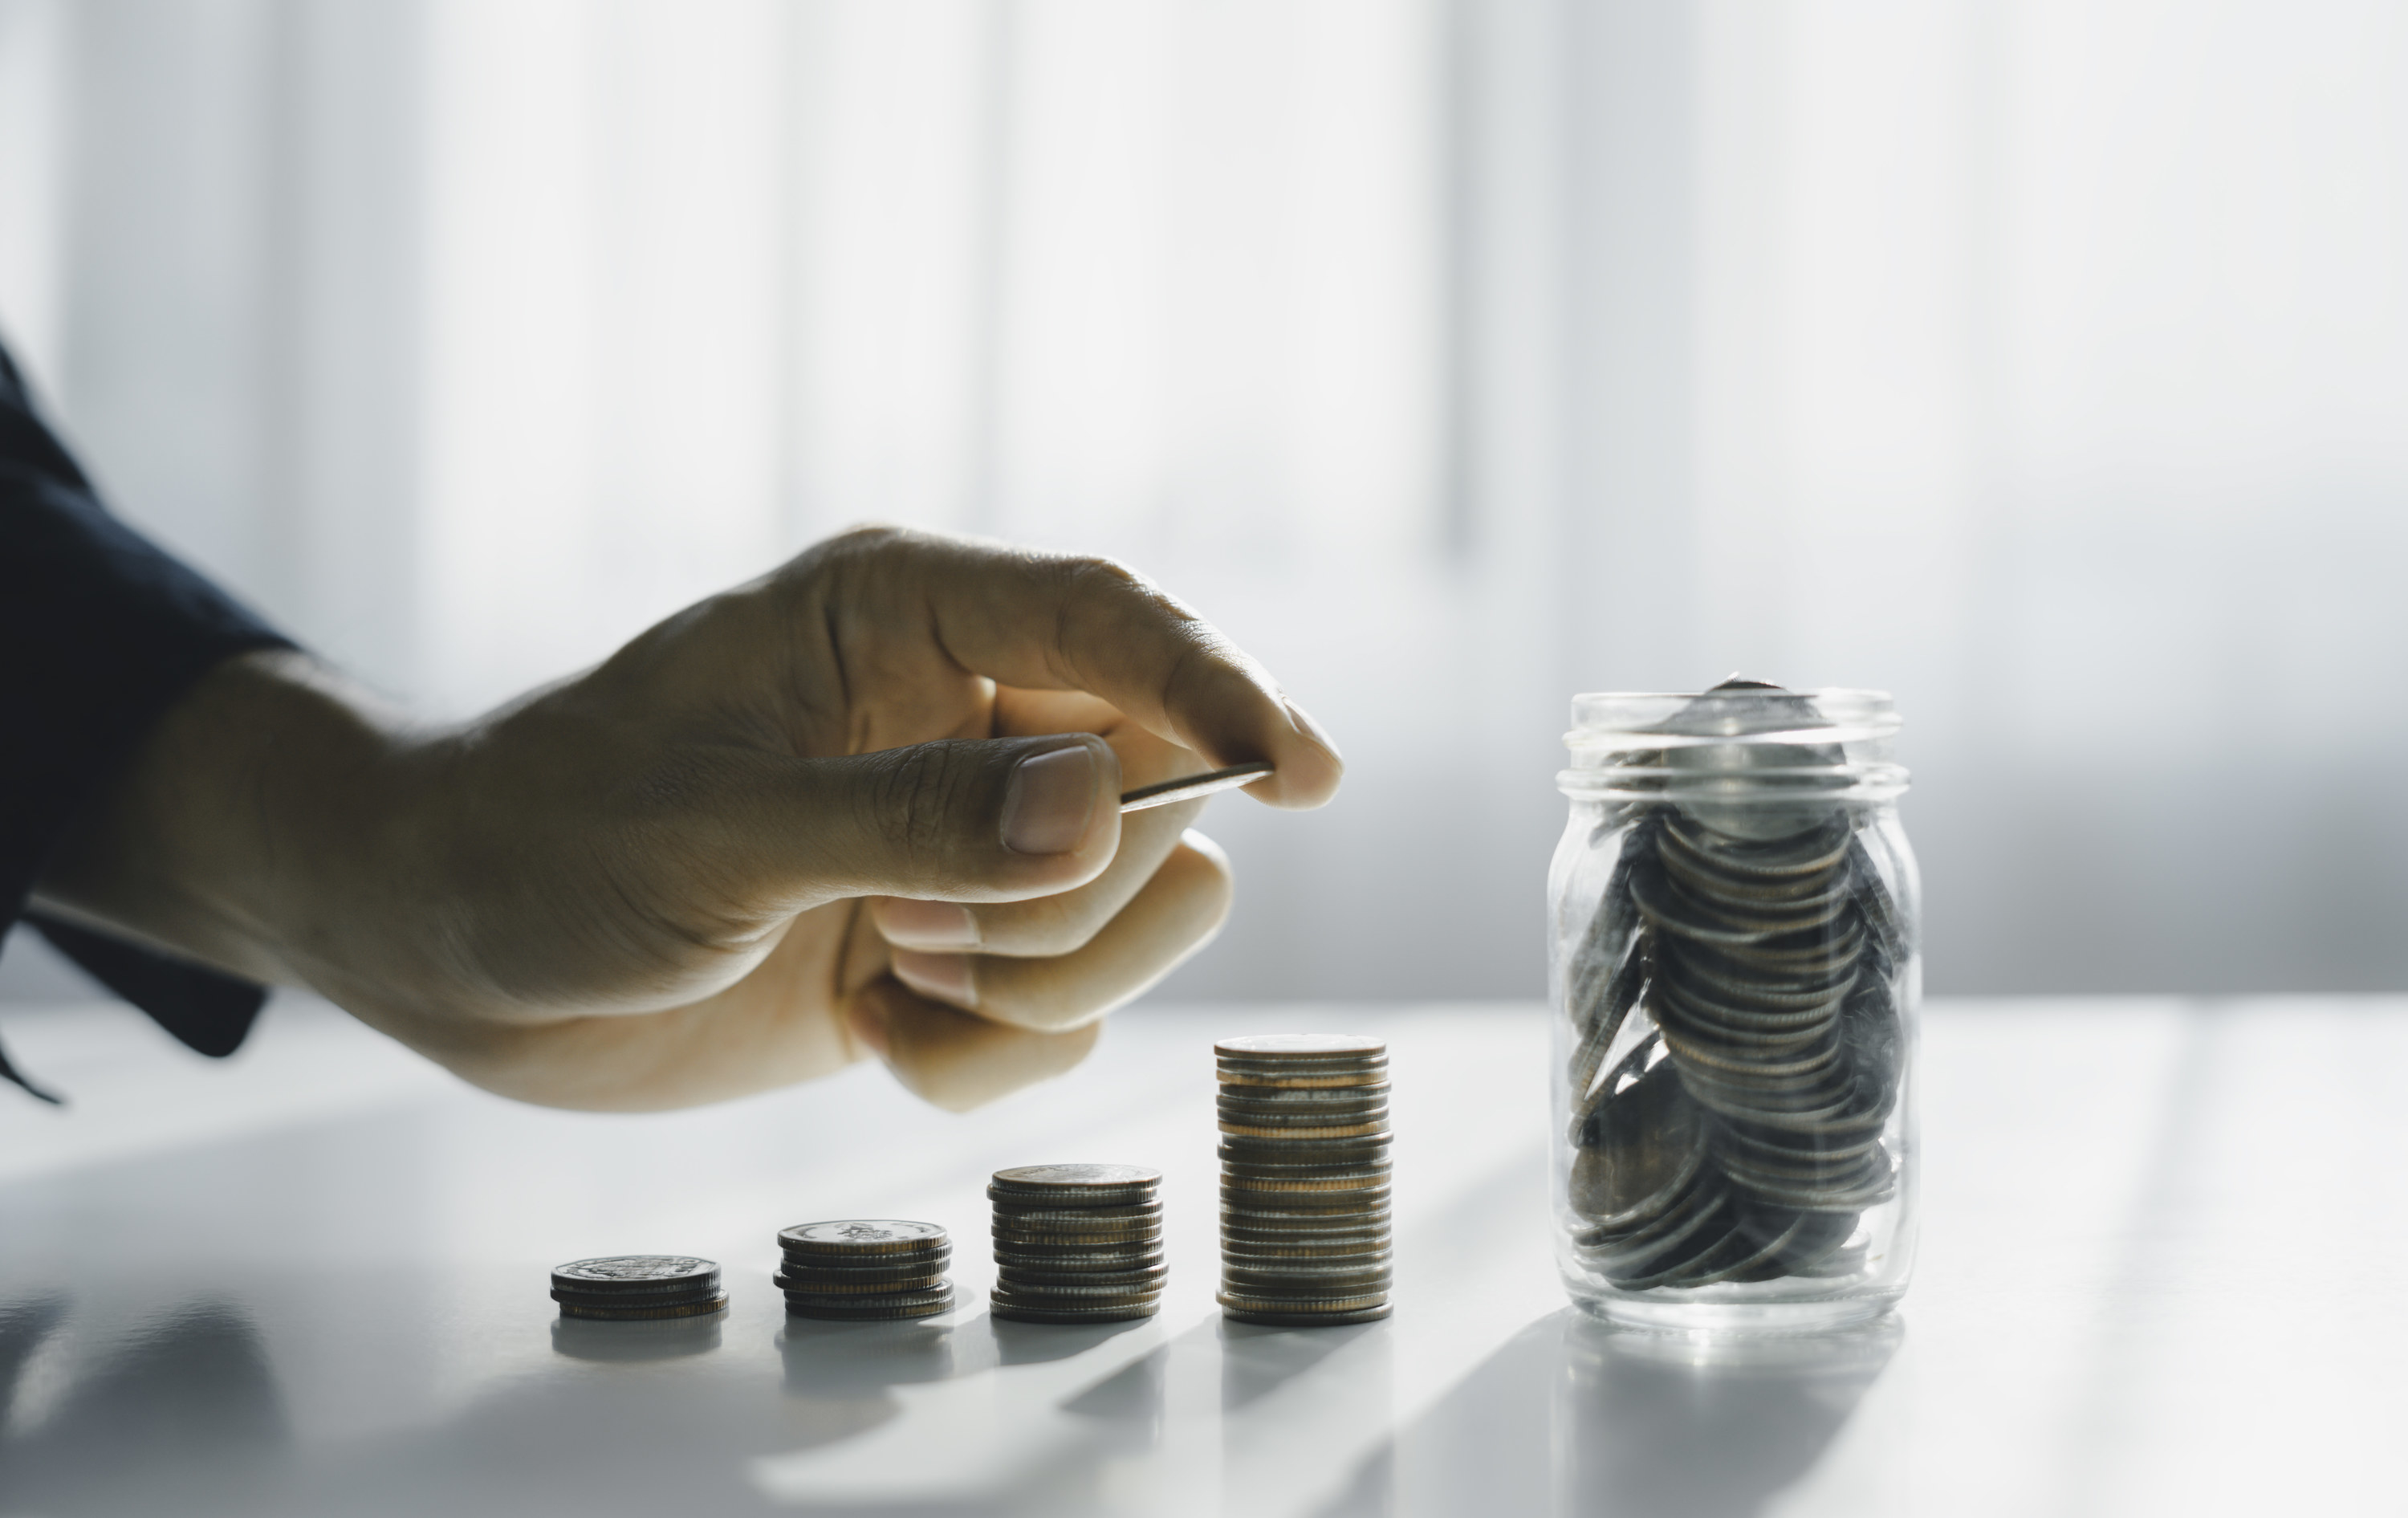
x: 633, y: 1288
x: 861, y: 1270
x: 1077, y: 1243
x: 1304, y: 1179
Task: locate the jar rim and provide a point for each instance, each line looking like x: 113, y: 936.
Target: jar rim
x: 1744, y: 743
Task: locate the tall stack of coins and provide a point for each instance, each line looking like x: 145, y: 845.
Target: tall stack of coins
x: 1304, y: 1179
x: 1077, y: 1243
x: 628, y: 1288
x: 866, y: 1268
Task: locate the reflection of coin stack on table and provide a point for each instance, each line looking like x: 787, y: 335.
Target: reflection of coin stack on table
x: 1077, y: 1243
x: 1304, y: 1179
x: 629, y: 1288
x: 866, y: 1268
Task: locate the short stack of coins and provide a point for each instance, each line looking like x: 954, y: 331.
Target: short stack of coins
x: 863, y: 1269
x: 633, y: 1288
x: 1077, y: 1243
x: 1304, y: 1179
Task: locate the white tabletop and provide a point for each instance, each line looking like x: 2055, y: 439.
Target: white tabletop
x: 2165, y: 1269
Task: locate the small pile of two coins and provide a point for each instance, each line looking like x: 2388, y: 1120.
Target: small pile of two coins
x: 1304, y: 1179
x: 866, y: 1268
x: 633, y: 1288
x: 1077, y: 1243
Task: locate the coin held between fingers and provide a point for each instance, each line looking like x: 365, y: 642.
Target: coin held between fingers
x: 1191, y: 787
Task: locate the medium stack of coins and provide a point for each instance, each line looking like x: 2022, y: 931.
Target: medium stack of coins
x: 1077, y: 1243
x: 629, y: 1288
x: 866, y: 1268
x: 1304, y: 1179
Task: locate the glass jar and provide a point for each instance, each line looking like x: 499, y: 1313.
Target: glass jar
x: 1737, y: 980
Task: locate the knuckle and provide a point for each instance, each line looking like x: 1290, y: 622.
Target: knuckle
x: 867, y: 539
x: 1091, y: 579
x: 844, y: 553
x: 916, y: 799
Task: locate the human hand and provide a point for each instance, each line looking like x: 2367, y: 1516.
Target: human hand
x: 864, y: 804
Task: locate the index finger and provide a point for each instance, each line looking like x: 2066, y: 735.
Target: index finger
x: 1064, y: 621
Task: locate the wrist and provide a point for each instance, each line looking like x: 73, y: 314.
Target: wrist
x: 255, y: 822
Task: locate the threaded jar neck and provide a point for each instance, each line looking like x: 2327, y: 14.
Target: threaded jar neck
x: 1739, y: 745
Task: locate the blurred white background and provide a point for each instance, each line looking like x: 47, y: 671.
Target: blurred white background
x: 2042, y: 361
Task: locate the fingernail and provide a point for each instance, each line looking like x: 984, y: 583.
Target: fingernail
x: 868, y: 1027
x: 926, y: 924
x: 944, y: 978
x: 1305, y: 724
x: 1052, y: 796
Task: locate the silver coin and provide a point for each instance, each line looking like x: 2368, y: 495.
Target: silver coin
x: 1314, y: 1077
x: 1047, y: 1215
x: 1191, y: 787
x: 1087, y: 1261
x: 1241, y: 1202
x: 1306, y: 1151
x: 1232, y: 1185
x: 1306, y: 1097
x: 1344, y: 1169
x: 879, y: 1314
x: 615, y: 1300
x: 1308, y: 1252
x: 702, y: 1307
x: 1306, y: 1319
x: 1650, y: 1149
x: 853, y: 1302
x: 1301, y: 1306
x: 1255, y: 1281
x: 863, y: 1236
x: 1076, y: 1185
x: 819, y: 1267
x: 1361, y: 1235
x: 1152, y: 1276
x: 637, y: 1273
x: 1301, y: 1046
x: 891, y: 1286
x: 1078, y: 1224
x: 1302, y: 1207
x: 1011, y: 1312
x: 1249, y: 1130
x: 1021, y: 1294
x: 1324, y: 1107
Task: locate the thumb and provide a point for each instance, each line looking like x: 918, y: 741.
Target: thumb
x: 992, y: 820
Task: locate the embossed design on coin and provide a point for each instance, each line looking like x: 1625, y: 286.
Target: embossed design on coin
x: 631, y: 1287
x: 1078, y: 1175
x: 862, y: 1232
x: 634, y: 1268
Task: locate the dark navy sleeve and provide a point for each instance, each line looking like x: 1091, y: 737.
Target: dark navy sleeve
x: 100, y: 632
